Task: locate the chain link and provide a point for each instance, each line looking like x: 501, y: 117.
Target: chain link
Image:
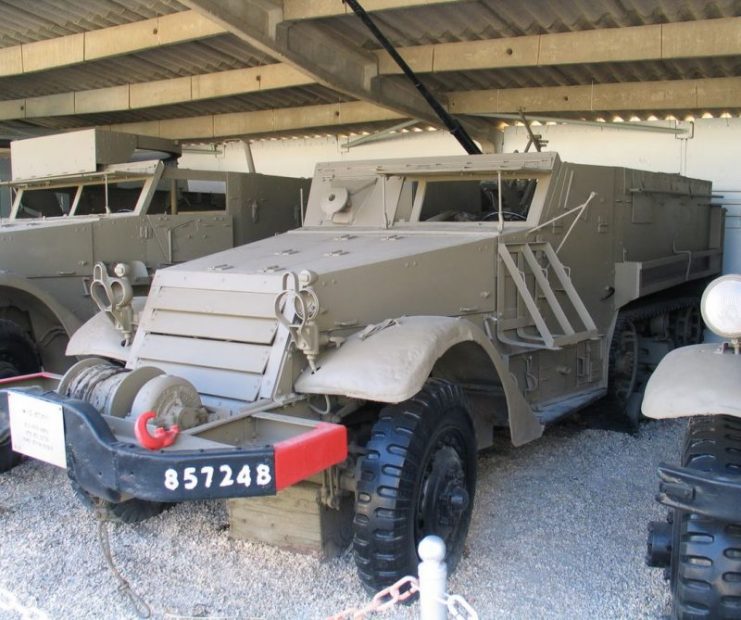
x: 382, y: 600
x: 458, y: 607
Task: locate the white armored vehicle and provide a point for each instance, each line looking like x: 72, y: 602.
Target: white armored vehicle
x: 424, y: 306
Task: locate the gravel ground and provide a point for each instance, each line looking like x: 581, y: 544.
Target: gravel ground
x: 558, y: 531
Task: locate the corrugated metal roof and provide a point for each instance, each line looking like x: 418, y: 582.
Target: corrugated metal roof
x: 23, y: 21
x: 493, y: 19
x: 268, y: 100
x: 219, y: 53
x: 573, y: 75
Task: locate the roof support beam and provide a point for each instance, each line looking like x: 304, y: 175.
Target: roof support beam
x: 692, y: 39
x: 301, y: 9
x: 279, y: 75
x: 106, y: 42
x: 152, y: 33
x: 703, y: 94
x: 331, y: 62
x: 158, y: 93
x: 262, y: 121
x: 695, y: 39
x: 717, y: 93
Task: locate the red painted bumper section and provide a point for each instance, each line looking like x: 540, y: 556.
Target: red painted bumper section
x: 309, y: 453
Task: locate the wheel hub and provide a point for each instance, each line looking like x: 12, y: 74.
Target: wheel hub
x: 659, y: 544
x: 444, y: 497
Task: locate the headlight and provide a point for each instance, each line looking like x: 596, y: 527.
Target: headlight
x: 721, y: 306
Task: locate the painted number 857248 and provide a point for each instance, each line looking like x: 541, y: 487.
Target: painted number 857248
x: 223, y: 477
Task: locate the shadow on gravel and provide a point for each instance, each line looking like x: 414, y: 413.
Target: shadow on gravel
x: 605, y: 416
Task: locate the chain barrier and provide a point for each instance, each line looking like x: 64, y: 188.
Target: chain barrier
x: 383, y: 600
x: 459, y: 608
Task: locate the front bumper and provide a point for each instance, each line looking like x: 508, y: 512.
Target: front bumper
x: 718, y: 497
x: 109, y: 464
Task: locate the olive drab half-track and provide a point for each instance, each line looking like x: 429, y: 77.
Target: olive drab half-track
x: 424, y: 306
x: 118, y: 201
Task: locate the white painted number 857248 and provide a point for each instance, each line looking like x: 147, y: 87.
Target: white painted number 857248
x: 224, y: 477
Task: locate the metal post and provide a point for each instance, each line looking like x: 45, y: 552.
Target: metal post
x: 433, y: 577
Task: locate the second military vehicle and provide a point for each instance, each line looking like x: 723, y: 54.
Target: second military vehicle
x: 96, y: 196
x: 425, y: 305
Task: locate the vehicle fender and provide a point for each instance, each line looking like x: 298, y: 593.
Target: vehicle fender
x: 99, y: 337
x: 694, y: 380
x: 390, y: 362
x: 66, y: 318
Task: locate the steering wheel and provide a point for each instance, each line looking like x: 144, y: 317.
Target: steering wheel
x: 507, y: 216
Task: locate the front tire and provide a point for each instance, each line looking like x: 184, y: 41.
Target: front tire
x: 706, y: 553
x: 418, y: 477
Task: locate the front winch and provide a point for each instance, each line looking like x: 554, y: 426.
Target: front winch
x: 121, y: 392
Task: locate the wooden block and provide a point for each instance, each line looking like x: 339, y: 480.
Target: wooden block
x: 294, y: 519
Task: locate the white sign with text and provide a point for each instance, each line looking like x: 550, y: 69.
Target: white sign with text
x: 37, y: 428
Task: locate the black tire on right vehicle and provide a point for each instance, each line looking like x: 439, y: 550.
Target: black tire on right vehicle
x: 417, y: 477
x: 706, y: 553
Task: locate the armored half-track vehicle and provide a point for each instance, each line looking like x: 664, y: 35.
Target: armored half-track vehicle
x: 425, y: 306
x: 95, y: 196
x: 699, y: 546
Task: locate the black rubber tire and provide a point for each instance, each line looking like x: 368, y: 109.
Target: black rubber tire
x: 129, y: 511
x: 705, y: 567
x: 8, y: 458
x: 18, y: 355
x: 421, y: 453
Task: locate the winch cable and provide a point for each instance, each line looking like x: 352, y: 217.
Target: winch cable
x: 138, y: 603
x: 452, y: 124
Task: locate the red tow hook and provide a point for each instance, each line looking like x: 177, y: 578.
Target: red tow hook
x: 162, y: 437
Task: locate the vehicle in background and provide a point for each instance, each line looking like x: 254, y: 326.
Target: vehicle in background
x: 699, y: 545
x: 92, y: 196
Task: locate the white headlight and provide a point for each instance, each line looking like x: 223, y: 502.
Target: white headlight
x: 721, y: 306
